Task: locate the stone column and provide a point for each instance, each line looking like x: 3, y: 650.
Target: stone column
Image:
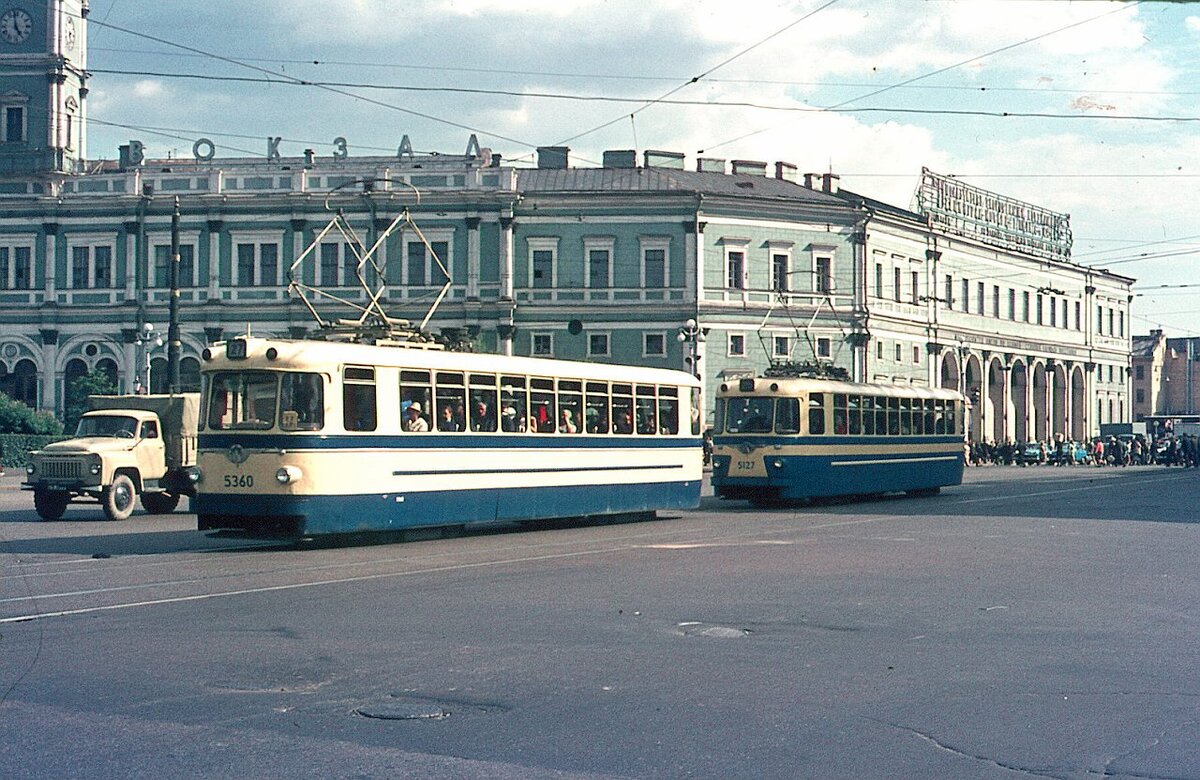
x: 506, y: 259
x: 472, y: 258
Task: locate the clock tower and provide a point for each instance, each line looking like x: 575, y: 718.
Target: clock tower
x: 43, y: 85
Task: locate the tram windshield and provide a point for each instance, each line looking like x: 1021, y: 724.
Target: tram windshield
x: 749, y: 415
x: 242, y: 400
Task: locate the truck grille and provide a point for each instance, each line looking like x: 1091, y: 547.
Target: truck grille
x: 62, y: 469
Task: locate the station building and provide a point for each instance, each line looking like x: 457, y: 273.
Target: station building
x: 719, y: 271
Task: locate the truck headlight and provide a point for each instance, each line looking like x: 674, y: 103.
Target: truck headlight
x: 95, y: 469
x: 288, y: 474
x: 30, y: 469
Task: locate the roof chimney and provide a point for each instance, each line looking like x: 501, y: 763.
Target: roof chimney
x: 785, y: 171
x: 654, y: 158
x: 829, y: 183
x: 710, y: 165
x: 750, y: 167
x: 552, y: 157
x: 620, y: 158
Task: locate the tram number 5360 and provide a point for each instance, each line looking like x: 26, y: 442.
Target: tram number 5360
x: 239, y: 480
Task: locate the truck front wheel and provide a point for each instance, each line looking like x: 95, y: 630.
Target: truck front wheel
x: 160, y: 503
x: 50, y: 504
x: 119, y: 498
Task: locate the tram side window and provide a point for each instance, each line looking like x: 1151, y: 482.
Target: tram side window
x: 939, y: 415
x: 719, y: 417
x: 647, y: 419
x: 301, y: 402
x: 918, y: 417
x: 905, y: 417
x: 839, y: 414
x: 881, y: 428
x: 854, y: 414
x: 595, y: 412
x: 930, y: 415
x: 483, y: 403
x: 570, y: 406
x: 542, y: 415
x: 868, y: 414
x: 787, y: 415
x: 668, y: 410
x: 816, y: 414
x: 416, y: 400
x: 749, y: 414
x: 514, y: 399
x: 952, y: 418
x: 695, y: 411
x: 622, y: 408
x: 358, y: 399
x: 451, y: 402
x: 893, y: 405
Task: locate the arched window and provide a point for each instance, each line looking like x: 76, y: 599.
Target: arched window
x: 108, y: 367
x: 189, y: 375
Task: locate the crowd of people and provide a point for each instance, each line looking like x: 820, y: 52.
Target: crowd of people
x: 1137, y: 450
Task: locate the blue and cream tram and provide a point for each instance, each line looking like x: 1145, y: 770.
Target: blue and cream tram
x: 786, y: 439
x: 309, y: 437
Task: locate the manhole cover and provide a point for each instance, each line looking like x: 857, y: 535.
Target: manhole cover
x: 403, y: 711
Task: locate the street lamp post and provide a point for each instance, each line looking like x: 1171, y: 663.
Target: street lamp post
x: 147, y: 339
x: 693, y: 336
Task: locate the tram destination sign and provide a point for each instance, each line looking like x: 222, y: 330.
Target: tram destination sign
x: 994, y: 219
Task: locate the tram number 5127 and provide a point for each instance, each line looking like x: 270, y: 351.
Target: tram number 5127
x: 239, y: 480
x: 742, y: 465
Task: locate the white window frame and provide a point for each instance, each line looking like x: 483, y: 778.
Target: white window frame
x: 434, y: 236
x: 14, y: 99
x: 823, y: 253
x: 776, y: 342
x: 339, y: 274
x: 824, y: 347
x: 186, y: 238
x: 879, y: 349
x: 12, y: 244
x: 916, y: 353
x: 646, y: 336
x: 650, y: 243
x: 258, y: 239
x: 594, y: 244
x: 533, y: 340
x: 781, y: 249
x: 729, y: 350
x: 91, y: 243
x: 740, y: 246
x: 607, y: 343
x: 544, y: 244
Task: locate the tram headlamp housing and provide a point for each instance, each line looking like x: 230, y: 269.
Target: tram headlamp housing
x: 288, y: 474
x: 195, y: 475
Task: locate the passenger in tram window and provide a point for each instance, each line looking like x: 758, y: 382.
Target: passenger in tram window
x: 508, y: 420
x: 482, y: 418
x: 646, y: 423
x: 625, y: 422
x: 447, y: 421
x: 415, y: 422
x: 839, y: 422
x: 460, y: 415
x: 566, y: 423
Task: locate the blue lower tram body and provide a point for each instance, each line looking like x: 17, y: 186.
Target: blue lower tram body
x: 310, y: 515
x: 846, y: 473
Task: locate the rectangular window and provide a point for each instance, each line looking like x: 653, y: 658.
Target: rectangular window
x: 1139, y: 372
x: 787, y: 415
x: 1078, y: 316
x: 1111, y: 331
x: 542, y: 414
x: 301, y: 402
x: 162, y: 265
x: 979, y: 288
x: 1012, y: 304
x: 543, y: 268
x: 780, y: 346
x: 481, y: 409
x: 816, y: 414
x: 257, y: 264
x: 735, y: 267
x: 1039, y: 309
x: 1140, y: 396
x: 14, y: 124
x: 879, y: 350
x: 599, y: 261
x: 451, y: 394
x: 22, y: 271
x: 1025, y: 306
x: 949, y: 291
x: 916, y: 288
x: 654, y: 345
x: 780, y: 262
x: 1100, y: 320
x: 966, y: 295
x: 737, y: 345
x: 416, y: 401
x: 824, y: 347
x: 654, y: 268
x: 898, y: 353
x: 514, y: 400
x: 996, y: 301
x: 598, y: 345
x: 1054, y: 312
x: 879, y: 280
x: 916, y: 355
x: 595, y: 411
x: 896, y: 284
x: 542, y: 344
x: 824, y: 275
x: 423, y: 268
x: 418, y: 274
x: 79, y: 267
x: 329, y: 265
x: 622, y: 408
x: 102, y: 259
x: 358, y: 399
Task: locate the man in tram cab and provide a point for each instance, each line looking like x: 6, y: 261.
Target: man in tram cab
x: 415, y: 422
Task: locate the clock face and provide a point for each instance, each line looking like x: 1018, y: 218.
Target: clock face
x: 15, y: 25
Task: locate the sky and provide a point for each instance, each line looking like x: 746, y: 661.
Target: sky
x: 1085, y: 108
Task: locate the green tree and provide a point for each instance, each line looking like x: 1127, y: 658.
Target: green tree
x: 77, y: 391
x: 16, y: 417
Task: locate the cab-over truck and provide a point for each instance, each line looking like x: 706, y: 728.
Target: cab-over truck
x: 125, y: 447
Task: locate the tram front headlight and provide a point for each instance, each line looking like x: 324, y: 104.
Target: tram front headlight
x: 195, y: 475
x: 288, y: 474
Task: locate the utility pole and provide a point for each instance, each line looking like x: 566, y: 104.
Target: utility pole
x: 173, y: 340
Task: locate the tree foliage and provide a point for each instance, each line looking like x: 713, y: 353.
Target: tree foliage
x: 16, y: 417
x: 77, y: 391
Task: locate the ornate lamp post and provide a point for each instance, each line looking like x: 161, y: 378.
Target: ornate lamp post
x: 148, y: 340
x: 692, y: 335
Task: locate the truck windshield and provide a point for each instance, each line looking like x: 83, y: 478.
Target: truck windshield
x: 107, y: 425
x: 242, y: 400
